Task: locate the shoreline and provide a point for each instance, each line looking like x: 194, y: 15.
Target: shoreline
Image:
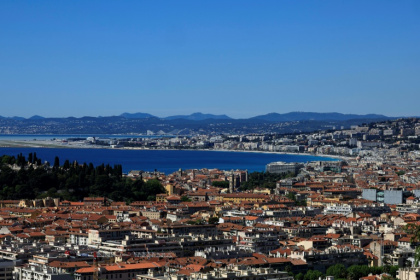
x: 281, y: 153
x: 49, y: 144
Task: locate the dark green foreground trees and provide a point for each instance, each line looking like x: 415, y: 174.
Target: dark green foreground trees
x: 22, y: 178
x: 354, y: 272
x: 263, y: 180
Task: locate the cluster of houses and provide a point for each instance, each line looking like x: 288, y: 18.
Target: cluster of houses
x: 351, y: 212
x: 392, y: 136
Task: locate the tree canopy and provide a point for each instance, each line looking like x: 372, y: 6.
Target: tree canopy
x: 72, y: 181
x: 263, y: 180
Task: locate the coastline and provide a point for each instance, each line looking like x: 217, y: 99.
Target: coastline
x: 50, y: 144
x: 280, y: 153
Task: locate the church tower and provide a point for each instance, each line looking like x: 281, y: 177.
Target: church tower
x: 231, y: 182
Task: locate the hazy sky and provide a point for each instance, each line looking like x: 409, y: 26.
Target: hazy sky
x: 240, y: 58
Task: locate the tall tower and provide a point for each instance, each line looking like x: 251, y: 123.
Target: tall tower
x: 231, y: 182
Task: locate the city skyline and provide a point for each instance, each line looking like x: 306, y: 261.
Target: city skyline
x: 62, y: 59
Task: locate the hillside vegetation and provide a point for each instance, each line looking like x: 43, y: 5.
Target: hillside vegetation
x: 27, y: 178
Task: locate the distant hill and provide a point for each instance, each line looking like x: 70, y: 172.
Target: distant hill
x: 192, y: 117
x: 197, y: 123
x: 137, y: 115
x: 311, y: 116
x: 199, y: 117
x: 16, y: 118
x: 271, y: 117
x: 36, y: 117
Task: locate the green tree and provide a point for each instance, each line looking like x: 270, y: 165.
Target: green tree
x: 262, y: 179
x: 103, y: 185
x: 8, y: 160
x: 394, y: 270
x: 56, y: 162
x: 66, y: 164
x: 288, y: 269
x: 151, y: 197
x: 299, y: 276
x: 414, y: 230
x: 185, y: 198
x: 21, y: 161
x: 213, y: 220
x: 354, y: 272
x: 220, y: 184
x: 71, y: 183
x: 338, y: 271
x: 23, y: 191
x: 313, y: 275
x: 291, y: 196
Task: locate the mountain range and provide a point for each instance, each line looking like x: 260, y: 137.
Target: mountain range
x: 197, y: 123
x: 271, y: 117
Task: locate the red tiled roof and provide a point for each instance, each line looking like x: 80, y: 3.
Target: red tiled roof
x: 121, y: 267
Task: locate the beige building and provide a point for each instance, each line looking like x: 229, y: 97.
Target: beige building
x: 96, y: 237
x: 152, y: 215
x: 169, y: 189
x: 409, y: 273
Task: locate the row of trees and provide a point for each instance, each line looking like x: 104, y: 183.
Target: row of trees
x: 354, y: 272
x: 70, y: 181
x: 263, y: 180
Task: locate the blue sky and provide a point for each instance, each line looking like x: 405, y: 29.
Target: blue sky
x: 240, y: 58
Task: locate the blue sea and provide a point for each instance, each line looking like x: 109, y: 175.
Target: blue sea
x: 166, y: 161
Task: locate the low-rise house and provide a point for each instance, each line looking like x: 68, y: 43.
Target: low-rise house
x: 118, y: 271
x: 33, y: 272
